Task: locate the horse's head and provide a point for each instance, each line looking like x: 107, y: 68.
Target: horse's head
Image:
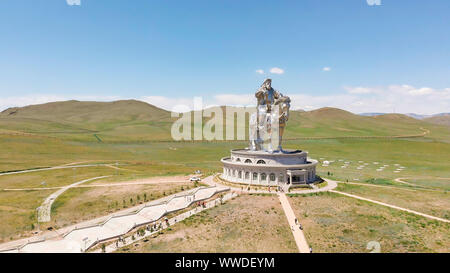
x: 284, y: 104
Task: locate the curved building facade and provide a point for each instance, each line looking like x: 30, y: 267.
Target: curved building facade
x: 286, y: 169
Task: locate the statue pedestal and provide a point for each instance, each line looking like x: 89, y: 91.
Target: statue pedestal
x: 289, y: 168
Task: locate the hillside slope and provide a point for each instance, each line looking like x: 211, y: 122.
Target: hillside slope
x: 131, y: 121
x: 441, y: 120
x: 80, y: 120
x: 339, y: 123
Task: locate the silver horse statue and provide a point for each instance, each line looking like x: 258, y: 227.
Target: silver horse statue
x: 268, y: 123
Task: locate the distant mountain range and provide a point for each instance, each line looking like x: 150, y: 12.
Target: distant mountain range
x: 413, y: 115
x: 131, y: 120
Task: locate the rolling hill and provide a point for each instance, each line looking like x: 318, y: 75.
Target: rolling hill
x: 439, y: 119
x: 81, y: 120
x: 132, y: 120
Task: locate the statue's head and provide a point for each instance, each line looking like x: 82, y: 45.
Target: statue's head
x: 267, y: 83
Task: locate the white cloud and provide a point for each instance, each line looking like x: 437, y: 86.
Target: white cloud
x: 233, y: 99
x: 326, y: 69
x: 276, y: 70
x: 73, y: 2
x: 358, y: 90
x: 358, y: 99
x: 169, y: 103
x: 260, y: 71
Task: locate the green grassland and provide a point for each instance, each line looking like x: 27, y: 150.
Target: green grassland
x: 137, y: 136
x: 436, y: 203
x: 81, y: 204
x: 336, y: 223
x: 133, y: 121
x: 245, y: 224
x: 18, y: 213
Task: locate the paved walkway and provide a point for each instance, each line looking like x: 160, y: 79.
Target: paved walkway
x: 392, y: 206
x: 172, y: 221
x: 45, y: 209
x: 149, y: 181
x: 389, y: 187
x: 78, y: 239
x: 400, y: 180
x: 55, y: 168
x: 299, y: 237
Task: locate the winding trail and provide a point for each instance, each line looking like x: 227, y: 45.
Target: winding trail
x: 418, y: 188
x: 400, y: 180
x: 172, y: 221
x: 375, y: 186
x: 113, y: 225
x: 392, y: 206
x: 55, y: 168
x: 150, y: 181
x: 81, y: 237
x: 45, y: 209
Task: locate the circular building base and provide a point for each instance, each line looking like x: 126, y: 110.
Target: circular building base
x: 289, y: 168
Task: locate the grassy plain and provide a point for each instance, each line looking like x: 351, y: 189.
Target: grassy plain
x: 248, y: 223
x: 435, y: 203
x: 336, y: 223
x: 81, y: 204
x: 137, y: 136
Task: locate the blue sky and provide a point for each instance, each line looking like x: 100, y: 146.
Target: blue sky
x: 389, y: 57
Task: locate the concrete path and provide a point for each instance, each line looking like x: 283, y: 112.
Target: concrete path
x: 392, y: 206
x: 172, y: 221
x: 150, y: 181
x: 55, y: 234
x: 55, y: 168
x: 299, y: 237
x: 45, y: 209
x: 400, y: 180
x: 83, y: 237
x: 383, y: 186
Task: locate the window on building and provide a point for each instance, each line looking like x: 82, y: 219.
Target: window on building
x: 247, y: 175
x: 238, y: 160
x: 255, y: 176
x: 240, y: 174
x: 261, y: 162
x: 248, y: 161
x: 272, y: 177
x: 263, y: 177
x: 281, y: 178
